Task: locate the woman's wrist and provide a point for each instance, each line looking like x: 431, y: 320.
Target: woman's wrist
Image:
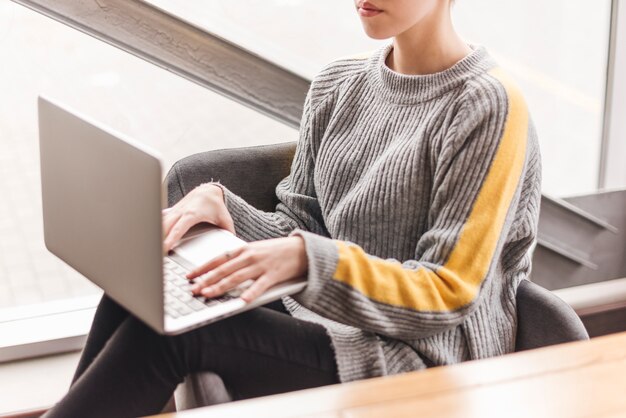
x: 215, y: 188
x: 216, y: 196
x: 300, y: 253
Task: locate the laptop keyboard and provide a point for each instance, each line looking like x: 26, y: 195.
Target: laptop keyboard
x: 179, y: 301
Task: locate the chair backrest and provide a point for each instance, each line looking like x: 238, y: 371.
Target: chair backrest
x: 249, y: 172
x: 544, y: 319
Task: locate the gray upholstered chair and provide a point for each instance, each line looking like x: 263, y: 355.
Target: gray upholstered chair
x: 253, y: 173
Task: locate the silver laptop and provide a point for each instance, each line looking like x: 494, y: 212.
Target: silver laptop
x: 103, y: 198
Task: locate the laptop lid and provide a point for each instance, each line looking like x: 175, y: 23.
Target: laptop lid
x: 102, y: 199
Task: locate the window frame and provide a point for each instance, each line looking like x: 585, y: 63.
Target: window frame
x: 612, y: 173
x: 231, y: 70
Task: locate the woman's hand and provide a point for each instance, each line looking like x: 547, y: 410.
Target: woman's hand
x: 205, y: 203
x: 266, y: 262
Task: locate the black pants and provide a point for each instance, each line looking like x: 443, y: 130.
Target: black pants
x: 126, y: 369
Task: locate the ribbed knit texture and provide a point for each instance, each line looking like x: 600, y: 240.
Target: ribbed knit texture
x: 387, y: 172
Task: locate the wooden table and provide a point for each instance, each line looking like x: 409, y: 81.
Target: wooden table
x: 583, y: 379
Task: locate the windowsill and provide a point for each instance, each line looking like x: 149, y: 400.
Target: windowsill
x: 45, y: 329
x: 39, y: 349
x: 35, y: 383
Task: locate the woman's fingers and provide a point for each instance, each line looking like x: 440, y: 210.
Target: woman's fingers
x: 223, y: 270
x: 231, y: 281
x: 178, y: 230
x: 258, y: 288
x: 215, y: 262
x: 169, y: 220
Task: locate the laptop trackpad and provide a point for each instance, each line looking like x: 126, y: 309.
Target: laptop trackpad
x: 205, y: 244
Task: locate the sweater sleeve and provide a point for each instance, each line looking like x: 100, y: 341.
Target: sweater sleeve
x: 474, y: 193
x: 298, y: 206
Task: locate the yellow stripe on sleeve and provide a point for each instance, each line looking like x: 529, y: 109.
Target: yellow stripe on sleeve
x: 457, y: 283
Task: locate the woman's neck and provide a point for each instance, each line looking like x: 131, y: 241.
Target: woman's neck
x: 430, y: 46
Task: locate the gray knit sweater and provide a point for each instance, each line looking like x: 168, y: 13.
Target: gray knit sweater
x: 418, y: 201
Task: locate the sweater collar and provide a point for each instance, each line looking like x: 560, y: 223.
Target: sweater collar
x: 405, y: 89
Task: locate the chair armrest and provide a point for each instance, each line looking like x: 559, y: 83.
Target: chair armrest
x: 250, y: 172
x: 544, y: 319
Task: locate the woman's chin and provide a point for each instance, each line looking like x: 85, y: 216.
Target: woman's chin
x: 377, y: 33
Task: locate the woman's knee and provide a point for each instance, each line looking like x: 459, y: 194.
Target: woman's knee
x: 110, y: 306
x: 162, y: 351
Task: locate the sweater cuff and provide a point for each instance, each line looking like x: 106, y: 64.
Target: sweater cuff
x: 323, y: 256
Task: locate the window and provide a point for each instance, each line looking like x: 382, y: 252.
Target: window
x: 173, y: 115
x: 557, y: 51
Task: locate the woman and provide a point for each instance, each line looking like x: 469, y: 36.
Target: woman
x: 411, y: 208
